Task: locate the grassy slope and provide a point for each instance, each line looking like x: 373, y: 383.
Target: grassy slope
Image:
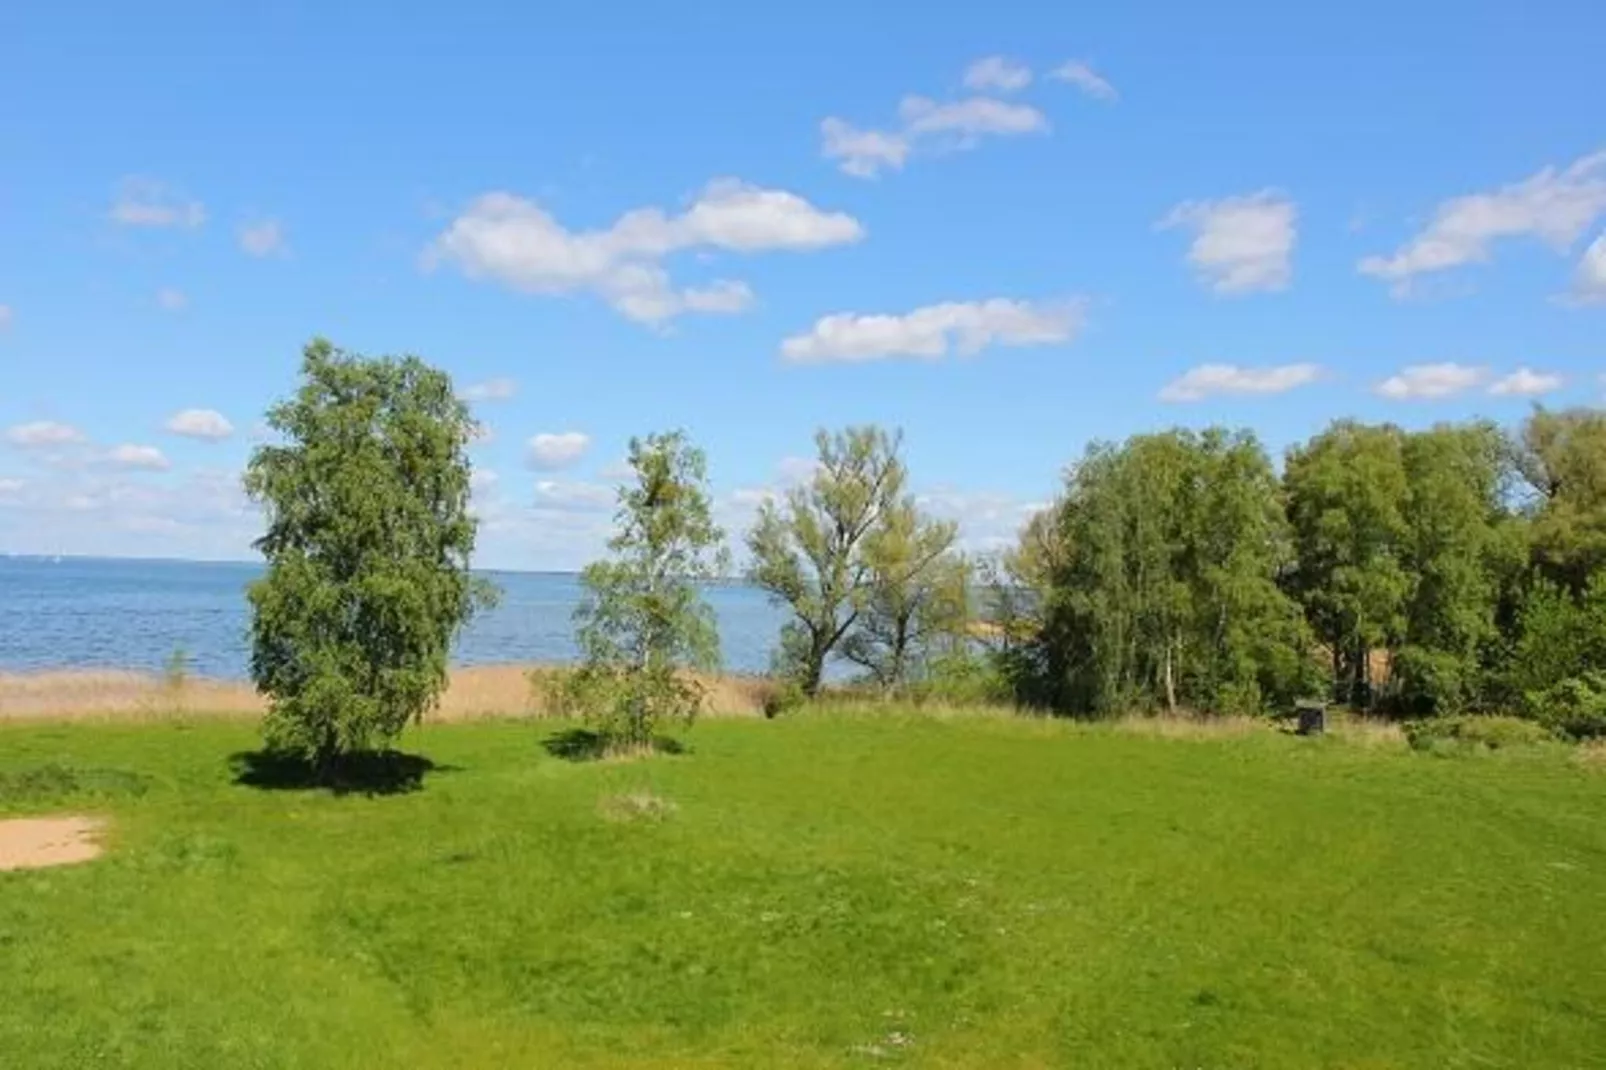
x: 1003, y: 893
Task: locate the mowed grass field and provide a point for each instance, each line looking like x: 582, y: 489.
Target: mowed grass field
x: 819, y: 891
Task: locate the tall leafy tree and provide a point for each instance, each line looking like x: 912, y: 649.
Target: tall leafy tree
x: 918, y: 601
x: 1562, y: 458
x: 809, y: 551
x: 643, y: 621
x: 368, y: 543
x: 1460, y: 558
x: 1162, y: 588
x: 1347, y: 492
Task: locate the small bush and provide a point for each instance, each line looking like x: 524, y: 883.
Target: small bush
x: 1575, y: 708
x: 964, y: 678
x: 1475, y: 731
x: 786, y: 698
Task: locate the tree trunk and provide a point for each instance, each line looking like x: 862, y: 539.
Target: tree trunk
x: 1170, y: 681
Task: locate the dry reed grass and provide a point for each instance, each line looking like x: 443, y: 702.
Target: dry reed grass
x: 1188, y: 726
x: 474, y: 693
x: 1592, y: 755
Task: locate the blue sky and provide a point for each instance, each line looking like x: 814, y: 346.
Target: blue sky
x: 1007, y: 229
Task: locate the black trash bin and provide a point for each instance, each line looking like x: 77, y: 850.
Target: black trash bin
x: 1312, y: 718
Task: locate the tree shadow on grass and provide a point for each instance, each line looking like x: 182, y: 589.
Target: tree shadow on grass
x: 386, y: 772
x: 586, y: 745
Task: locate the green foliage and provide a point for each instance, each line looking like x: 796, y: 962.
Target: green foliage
x: 1562, y: 458
x: 642, y: 621
x: 1156, y: 582
x: 367, y: 546
x: 811, y: 550
x: 918, y: 601
x: 963, y: 676
x: 1347, y: 493
x: 788, y: 697
x: 1485, y: 731
x: 1574, y: 707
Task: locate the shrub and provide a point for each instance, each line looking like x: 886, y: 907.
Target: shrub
x: 965, y: 678
x: 786, y: 698
x: 1475, y: 731
x: 1575, y: 708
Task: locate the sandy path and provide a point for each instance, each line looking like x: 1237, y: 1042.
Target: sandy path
x: 35, y: 842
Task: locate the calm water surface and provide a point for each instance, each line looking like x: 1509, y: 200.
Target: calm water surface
x: 97, y: 613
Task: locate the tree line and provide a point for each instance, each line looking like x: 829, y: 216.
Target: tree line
x: 1417, y: 573
x: 1414, y: 573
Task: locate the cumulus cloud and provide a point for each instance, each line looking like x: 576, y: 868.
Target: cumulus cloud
x: 490, y: 390
x: 171, y: 299
x: 144, y: 458
x: 1080, y: 74
x: 933, y: 331
x: 11, y: 487
x: 1431, y: 381
x: 1526, y: 383
x: 1554, y: 206
x: 1241, y: 244
x: 507, y: 239
x: 144, y: 202
x: 5, y: 316
x: 207, y: 424
x: 862, y: 153
x: 1589, y: 281
x: 556, y: 450
x: 43, y: 434
x: 998, y: 74
x: 1211, y: 380
x: 926, y: 125
x: 263, y: 238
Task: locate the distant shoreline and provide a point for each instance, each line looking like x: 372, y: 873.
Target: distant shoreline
x: 474, y: 691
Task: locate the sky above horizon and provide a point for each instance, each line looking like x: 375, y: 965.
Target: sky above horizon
x: 1007, y: 231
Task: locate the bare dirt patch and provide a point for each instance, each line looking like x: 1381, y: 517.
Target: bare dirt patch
x: 36, y: 842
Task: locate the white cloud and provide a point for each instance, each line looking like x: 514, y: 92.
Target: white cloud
x: 264, y: 238
x: 1589, y: 281
x: 483, y: 480
x: 988, y: 521
x: 927, y: 125
x: 863, y: 152
x: 171, y: 299
x: 574, y: 496
x: 967, y: 326
x: 1210, y: 380
x: 5, y: 316
x: 11, y: 487
x: 490, y: 390
x: 557, y: 450
x: 998, y: 73
x: 1431, y: 381
x: 1554, y: 206
x: 1241, y: 244
x: 508, y: 239
x: 1526, y: 383
x: 145, y: 458
x: 143, y: 202
x: 43, y: 433
x: 204, y: 514
x: 205, y: 424
x: 969, y: 119
x: 1084, y: 77
x: 723, y: 295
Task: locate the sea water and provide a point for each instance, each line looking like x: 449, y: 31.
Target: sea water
x: 81, y: 613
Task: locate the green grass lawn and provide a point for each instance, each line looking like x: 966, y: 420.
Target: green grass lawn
x: 824, y: 892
